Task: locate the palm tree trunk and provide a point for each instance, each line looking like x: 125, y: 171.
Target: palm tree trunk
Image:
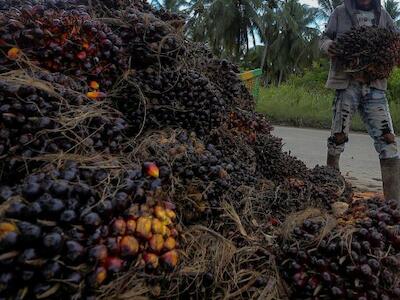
x: 280, y: 77
x: 264, y: 56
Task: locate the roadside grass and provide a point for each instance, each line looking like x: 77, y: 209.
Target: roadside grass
x: 297, y: 105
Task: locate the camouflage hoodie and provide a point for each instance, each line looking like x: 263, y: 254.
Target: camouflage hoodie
x: 343, y: 19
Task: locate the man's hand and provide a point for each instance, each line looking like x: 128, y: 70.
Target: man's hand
x: 333, y: 50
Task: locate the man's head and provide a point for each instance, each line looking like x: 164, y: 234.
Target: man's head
x: 364, y: 4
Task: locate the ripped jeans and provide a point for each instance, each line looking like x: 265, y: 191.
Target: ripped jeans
x: 374, y: 110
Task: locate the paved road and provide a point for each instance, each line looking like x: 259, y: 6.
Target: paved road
x: 359, y: 162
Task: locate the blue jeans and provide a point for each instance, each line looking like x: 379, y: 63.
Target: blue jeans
x: 374, y: 110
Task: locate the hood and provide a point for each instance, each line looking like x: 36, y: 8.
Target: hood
x: 351, y: 8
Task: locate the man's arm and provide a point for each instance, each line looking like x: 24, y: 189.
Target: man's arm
x: 326, y: 43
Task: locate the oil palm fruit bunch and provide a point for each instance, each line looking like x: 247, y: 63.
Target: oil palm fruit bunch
x: 357, y: 259
x: 67, y: 231
x: 248, y: 123
x: 200, y: 171
x: 230, y: 85
x: 148, y: 39
x: 184, y: 99
x: 275, y: 164
x: 369, y: 53
x: 34, y: 121
x: 66, y: 41
x: 328, y: 186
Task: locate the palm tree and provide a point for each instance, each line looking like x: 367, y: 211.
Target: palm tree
x: 224, y: 24
x: 328, y: 6
x: 392, y: 7
x: 290, y: 37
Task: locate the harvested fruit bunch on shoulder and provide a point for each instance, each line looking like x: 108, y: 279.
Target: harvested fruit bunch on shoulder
x: 369, y: 53
x: 66, y: 41
x: 354, y: 257
x: 67, y: 231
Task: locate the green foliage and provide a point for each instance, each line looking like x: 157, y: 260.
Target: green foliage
x: 394, y: 86
x: 313, y: 78
x: 393, y: 8
x: 291, y: 34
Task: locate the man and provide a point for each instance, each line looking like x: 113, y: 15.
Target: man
x: 354, y: 94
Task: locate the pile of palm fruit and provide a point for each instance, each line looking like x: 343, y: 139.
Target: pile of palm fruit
x: 354, y: 257
x: 369, y: 53
x: 133, y: 164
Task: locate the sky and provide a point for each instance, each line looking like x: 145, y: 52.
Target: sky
x: 310, y: 2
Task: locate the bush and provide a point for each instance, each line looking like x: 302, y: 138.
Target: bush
x: 394, y: 86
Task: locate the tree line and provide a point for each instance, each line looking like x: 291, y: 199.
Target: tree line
x: 281, y: 37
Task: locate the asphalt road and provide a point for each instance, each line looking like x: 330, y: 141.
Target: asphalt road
x: 359, y: 162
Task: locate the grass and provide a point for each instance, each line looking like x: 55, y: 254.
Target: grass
x: 297, y: 105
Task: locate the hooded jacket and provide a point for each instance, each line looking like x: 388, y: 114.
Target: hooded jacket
x: 343, y: 19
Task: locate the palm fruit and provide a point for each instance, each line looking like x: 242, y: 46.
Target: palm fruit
x: 61, y: 223
x: 114, y: 265
x: 129, y: 246
x: 118, y: 227
x: 151, y: 169
x: 14, y: 53
x: 369, y: 53
x: 67, y: 41
x: 151, y: 261
x: 156, y: 243
x: 363, y: 267
x: 33, y: 127
x: 143, y: 227
x: 170, y: 259
x: 170, y: 243
x: 98, y: 276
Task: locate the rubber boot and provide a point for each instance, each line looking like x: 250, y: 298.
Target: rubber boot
x: 390, y: 169
x: 333, y: 161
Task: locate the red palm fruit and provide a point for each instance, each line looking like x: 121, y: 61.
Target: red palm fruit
x: 129, y: 246
x: 98, y: 253
x: 170, y: 259
x: 160, y: 213
x: 158, y: 227
x: 14, y: 53
x: 81, y: 55
x: 170, y: 213
x: 95, y: 95
x: 151, y: 260
x: 97, y: 277
x: 7, y: 227
x: 156, y: 243
x: 170, y: 243
x: 94, y: 85
x: 114, y: 265
x: 130, y: 226
x: 143, y: 227
x: 174, y: 232
x: 151, y: 169
x: 118, y: 227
